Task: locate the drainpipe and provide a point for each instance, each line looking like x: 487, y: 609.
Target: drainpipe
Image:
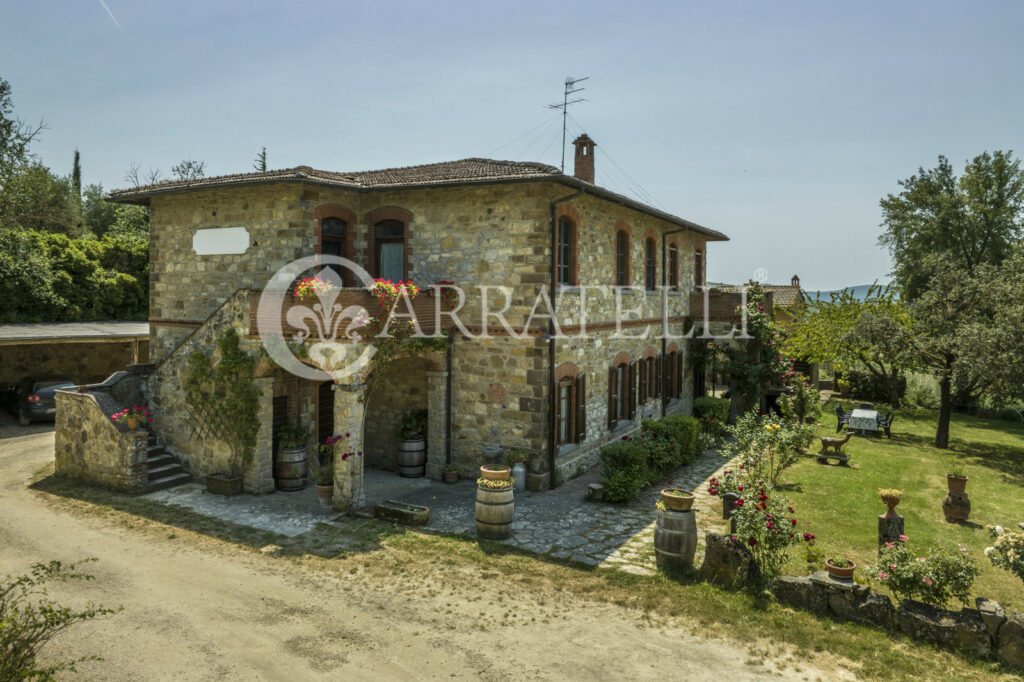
x: 664, y: 313
x: 450, y: 352
x: 552, y: 437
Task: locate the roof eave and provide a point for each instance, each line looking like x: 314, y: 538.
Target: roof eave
x: 142, y: 198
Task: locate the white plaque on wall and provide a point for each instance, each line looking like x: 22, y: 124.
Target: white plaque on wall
x: 211, y: 241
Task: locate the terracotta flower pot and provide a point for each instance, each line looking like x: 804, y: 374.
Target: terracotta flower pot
x: 840, y: 572
x: 450, y: 476
x: 325, y: 493
x: 133, y: 423
x: 956, y: 484
x: 676, y: 499
x: 891, y: 503
x: 495, y: 472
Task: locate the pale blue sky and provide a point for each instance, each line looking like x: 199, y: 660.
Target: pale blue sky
x: 778, y: 123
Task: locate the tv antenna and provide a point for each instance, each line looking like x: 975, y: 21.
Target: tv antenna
x: 570, y: 89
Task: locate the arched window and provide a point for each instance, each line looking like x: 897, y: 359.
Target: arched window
x: 333, y: 232
x: 570, y: 404
x: 673, y: 267
x: 698, y: 269
x: 650, y: 267
x: 566, y: 252
x: 389, y: 244
x: 621, y: 259
x: 621, y: 391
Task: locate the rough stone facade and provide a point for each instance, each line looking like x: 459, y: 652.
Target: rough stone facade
x: 83, y: 362
x: 404, y: 390
x: 90, y: 446
x: 489, y: 234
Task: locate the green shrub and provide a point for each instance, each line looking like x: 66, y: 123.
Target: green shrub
x: 664, y: 451
x: 685, y: 430
x: 713, y: 415
x: 624, y: 470
x: 866, y: 386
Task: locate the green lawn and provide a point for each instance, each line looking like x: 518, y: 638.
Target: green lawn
x: 840, y: 505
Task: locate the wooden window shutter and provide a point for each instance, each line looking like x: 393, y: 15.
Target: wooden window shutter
x: 679, y: 375
x: 642, y: 380
x: 557, y: 394
x: 658, y: 366
x: 612, y: 402
x: 581, y: 408
x: 631, y: 394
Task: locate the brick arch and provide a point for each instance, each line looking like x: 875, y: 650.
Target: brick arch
x: 672, y: 348
x: 568, y: 210
x: 402, y: 215
x: 649, y: 352
x: 377, y: 215
x: 566, y: 370
x: 335, y: 211
x: 622, y: 357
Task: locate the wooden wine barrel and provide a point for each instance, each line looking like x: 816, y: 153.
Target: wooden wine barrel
x: 494, y: 512
x: 675, y: 538
x: 290, y: 469
x: 412, y: 458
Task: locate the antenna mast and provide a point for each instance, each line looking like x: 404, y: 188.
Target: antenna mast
x: 570, y: 88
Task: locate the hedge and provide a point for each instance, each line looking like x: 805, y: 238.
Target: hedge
x: 867, y: 386
x: 631, y: 464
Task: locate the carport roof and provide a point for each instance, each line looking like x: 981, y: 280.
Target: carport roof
x: 35, y: 332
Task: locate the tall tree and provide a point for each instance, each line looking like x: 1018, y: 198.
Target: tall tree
x: 260, y: 163
x: 189, y: 170
x: 15, y: 139
x: 943, y: 232
x: 76, y: 191
x: 850, y: 333
x: 36, y: 199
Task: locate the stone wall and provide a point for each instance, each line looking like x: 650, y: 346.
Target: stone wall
x: 83, y: 362
x: 89, y: 446
x: 985, y: 631
x: 404, y: 390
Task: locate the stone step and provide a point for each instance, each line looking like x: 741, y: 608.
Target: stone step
x: 164, y: 470
x: 154, y: 449
x: 160, y: 460
x: 169, y: 482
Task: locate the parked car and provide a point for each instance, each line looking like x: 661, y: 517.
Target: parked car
x: 33, y: 399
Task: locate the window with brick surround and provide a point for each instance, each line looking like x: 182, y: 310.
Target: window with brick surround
x: 566, y: 252
x: 621, y: 393
x: 570, y: 405
x: 389, y: 245
x: 333, y: 233
x: 698, y: 269
x: 621, y: 259
x: 673, y: 266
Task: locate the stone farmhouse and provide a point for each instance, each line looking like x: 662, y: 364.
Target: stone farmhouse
x: 526, y: 226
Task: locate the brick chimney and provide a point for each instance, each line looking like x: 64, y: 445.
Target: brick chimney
x: 584, y: 168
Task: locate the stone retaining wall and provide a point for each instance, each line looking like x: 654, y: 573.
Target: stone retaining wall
x: 985, y: 631
x: 83, y: 362
x: 89, y: 446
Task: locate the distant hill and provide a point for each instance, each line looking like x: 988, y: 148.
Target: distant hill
x: 859, y: 292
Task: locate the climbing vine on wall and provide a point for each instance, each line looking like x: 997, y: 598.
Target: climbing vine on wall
x: 760, y: 363
x: 224, y: 398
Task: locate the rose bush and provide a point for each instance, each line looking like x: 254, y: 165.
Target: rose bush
x: 767, y: 525
x: 935, y: 578
x: 1008, y: 551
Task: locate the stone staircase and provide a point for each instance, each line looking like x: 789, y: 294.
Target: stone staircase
x: 164, y: 471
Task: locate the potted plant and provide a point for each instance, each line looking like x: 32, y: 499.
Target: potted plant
x: 956, y: 477
x: 840, y: 568
x: 890, y: 498
x: 450, y: 473
x: 133, y: 416
x: 517, y: 459
x: 495, y: 472
x: 412, y: 451
x: 290, y: 462
x: 322, y: 467
x: 308, y: 289
x: 677, y: 499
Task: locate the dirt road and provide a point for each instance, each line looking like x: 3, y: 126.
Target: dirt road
x: 196, y: 608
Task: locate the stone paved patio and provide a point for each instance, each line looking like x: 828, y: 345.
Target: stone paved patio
x: 558, y: 523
